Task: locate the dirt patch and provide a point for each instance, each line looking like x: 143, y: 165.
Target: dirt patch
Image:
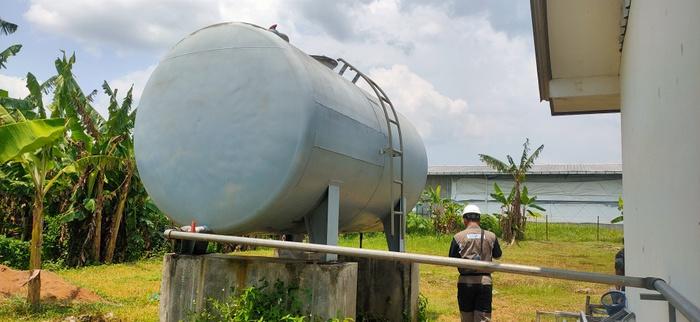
x: 53, y: 287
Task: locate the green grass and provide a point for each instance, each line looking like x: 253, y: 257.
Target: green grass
x: 573, y: 232
x: 130, y: 290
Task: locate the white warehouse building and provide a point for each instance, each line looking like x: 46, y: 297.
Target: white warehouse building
x: 578, y: 193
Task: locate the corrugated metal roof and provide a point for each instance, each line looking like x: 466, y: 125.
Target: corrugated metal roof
x: 536, y: 169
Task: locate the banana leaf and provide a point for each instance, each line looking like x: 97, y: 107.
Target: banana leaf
x: 28, y: 136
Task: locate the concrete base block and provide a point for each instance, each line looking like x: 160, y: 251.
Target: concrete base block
x: 386, y: 290
x: 188, y: 281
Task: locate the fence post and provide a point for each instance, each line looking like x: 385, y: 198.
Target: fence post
x: 546, y: 227
x: 597, y: 228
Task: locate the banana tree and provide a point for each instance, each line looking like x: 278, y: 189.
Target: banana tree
x: 7, y: 28
x: 84, y: 124
x: 515, y: 220
x: 431, y: 196
x: 452, y: 220
x: 506, y: 206
x: 33, y: 143
x: 118, y: 128
x: 30, y: 143
x: 445, y: 212
x: 527, y: 201
x: 621, y: 208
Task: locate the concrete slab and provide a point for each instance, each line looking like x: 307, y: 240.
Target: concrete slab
x: 188, y: 281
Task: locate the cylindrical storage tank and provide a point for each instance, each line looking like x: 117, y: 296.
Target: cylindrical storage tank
x: 242, y: 132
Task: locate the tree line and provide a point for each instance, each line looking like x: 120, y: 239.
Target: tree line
x: 68, y: 179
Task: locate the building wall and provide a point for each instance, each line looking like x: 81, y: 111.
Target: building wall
x: 660, y: 98
x: 445, y: 183
x: 567, y: 198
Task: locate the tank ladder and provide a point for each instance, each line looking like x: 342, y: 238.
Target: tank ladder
x: 395, y: 153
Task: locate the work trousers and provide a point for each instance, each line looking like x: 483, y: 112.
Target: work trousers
x: 474, y: 302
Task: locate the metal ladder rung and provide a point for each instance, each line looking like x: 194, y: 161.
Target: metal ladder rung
x: 357, y: 76
x: 385, y: 99
x: 343, y: 69
x: 393, y: 121
x: 398, y: 182
x: 396, y: 212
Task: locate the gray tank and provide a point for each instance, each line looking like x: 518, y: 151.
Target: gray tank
x: 242, y: 132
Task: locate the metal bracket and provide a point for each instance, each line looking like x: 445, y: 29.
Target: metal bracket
x: 189, y: 247
x: 323, y: 222
x: 396, y: 238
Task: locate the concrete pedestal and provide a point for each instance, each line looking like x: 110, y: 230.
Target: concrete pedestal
x: 386, y: 290
x: 188, y: 281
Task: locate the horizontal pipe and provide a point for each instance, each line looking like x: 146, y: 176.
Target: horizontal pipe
x: 682, y: 304
x: 630, y: 281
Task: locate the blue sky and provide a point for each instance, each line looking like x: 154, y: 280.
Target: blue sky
x: 462, y: 71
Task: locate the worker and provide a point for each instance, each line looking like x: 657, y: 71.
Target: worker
x: 474, y: 288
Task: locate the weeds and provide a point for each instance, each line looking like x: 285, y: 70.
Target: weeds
x: 422, y: 314
x: 278, y: 302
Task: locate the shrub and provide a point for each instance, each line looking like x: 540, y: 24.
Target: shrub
x: 14, y: 252
x: 278, y: 302
x: 53, y: 248
x: 258, y: 303
x: 449, y: 220
x: 490, y: 223
x: 419, y: 225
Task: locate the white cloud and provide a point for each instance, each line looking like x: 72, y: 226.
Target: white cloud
x: 436, y: 116
x: 132, y: 25
x: 136, y: 78
x: 122, y: 84
x: 16, y: 87
x: 468, y: 86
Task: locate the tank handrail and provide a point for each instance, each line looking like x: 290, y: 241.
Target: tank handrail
x: 676, y: 299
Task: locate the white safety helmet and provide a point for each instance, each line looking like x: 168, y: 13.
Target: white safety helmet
x: 471, y: 212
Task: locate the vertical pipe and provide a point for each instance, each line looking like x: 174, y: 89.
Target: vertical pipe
x: 671, y: 313
x: 546, y: 227
x: 361, y: 236
x: 597, y: 228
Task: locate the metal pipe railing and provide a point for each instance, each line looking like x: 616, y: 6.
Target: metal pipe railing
x: 652, y: 283
x: 419, y: 258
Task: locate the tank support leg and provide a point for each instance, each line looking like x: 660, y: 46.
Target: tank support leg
x: 395, y: 235
x: 323, y: 221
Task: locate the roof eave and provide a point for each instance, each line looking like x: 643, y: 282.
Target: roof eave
x: 538, y: 9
